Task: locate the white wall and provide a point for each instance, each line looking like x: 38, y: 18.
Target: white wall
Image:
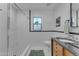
x: 3, y: 29
x: 62, y: 10
x: 48, y: 21
x: 13, y: 30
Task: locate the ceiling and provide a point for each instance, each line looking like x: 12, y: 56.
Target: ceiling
x: 37, y: 6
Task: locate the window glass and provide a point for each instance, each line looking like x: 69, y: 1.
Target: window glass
x: 37, y: 24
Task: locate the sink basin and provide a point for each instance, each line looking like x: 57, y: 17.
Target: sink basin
x: 66, y: 41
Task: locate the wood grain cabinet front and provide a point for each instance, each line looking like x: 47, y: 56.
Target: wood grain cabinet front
x: 58, y: 50
x: 67, y: 53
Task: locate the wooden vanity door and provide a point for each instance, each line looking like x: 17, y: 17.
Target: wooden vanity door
x: 57, y: 49
x: 67, y: 53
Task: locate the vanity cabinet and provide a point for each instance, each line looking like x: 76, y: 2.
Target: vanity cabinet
x: 67, y: 53
x: 58, y: 50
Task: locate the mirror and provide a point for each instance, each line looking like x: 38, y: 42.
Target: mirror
x: 75, y: 14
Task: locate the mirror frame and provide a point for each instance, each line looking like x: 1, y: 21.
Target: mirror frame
x: 71, y: 17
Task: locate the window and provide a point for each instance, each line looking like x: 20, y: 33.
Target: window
x: 37, y: 23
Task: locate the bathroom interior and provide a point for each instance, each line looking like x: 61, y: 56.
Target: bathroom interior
x: 39, y: 29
